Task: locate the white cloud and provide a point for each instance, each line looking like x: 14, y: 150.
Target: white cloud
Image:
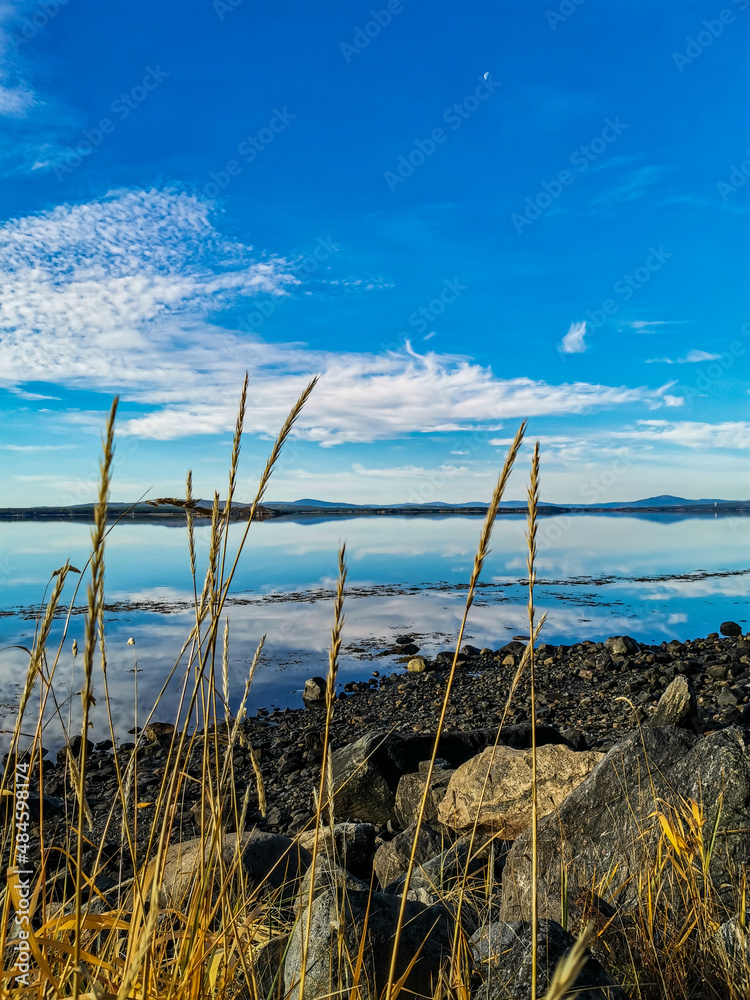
x: 734, y: 435
x: 35, y: 126
x: 15, y: 101
x: 646, y: 325
x: 573, y: 342
x: 116, y: 296
x: 401, y: 472
x: 38, y: 447
x: 692, y: 357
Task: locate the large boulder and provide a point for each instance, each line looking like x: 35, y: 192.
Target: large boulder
x: 337, y: 925
x: 504, y: 953
x: 411, y: 790
x: 607, y: 831
x: 493, y: 789
x: 352, y: 845
x: 392, y: 857
x: 470, y: 869
x: 265, y: 860
x: 366, y: 773
x: 268, y: 967
x: 327, y: 875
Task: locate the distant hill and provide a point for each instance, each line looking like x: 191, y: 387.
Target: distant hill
x: 171, y: 510
x: 667, y: 500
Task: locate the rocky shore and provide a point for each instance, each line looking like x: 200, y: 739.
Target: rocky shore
x: 595, y: 700
x: 594, y: 692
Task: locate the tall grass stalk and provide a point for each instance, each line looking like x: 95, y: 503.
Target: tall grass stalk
x: 479, y: 560
x: 333, y: 667
x: 533, y: 502
x: 95, y: 603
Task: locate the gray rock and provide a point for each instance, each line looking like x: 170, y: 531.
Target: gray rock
x: 729, y: 697
x: 445, y: 658
x: 366, y: 773
x: 328, y: 875
x: 268, y: 965
x: 351, y: 845
x: 155, y: 731
x: 74, y: 748
x: 336, y: 929
x: 494, y: 789
x: 731, y: 629
x: 315, y: 690
x: 677, y: 706
x: 364, y: 779
x: 731, y: 953
x: 608, y: 822
x: 514, y: 648
x: 575, y: 738
x: 477, y: 861
x: 621, y: 645
x: 409, y: 797
x: 504, y: 951
x: 408, y: 649
x: 48, y: 805
x: 266, y: 860
x: 392, y: 857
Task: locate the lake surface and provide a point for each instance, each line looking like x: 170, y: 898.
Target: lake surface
x: 656, y: 578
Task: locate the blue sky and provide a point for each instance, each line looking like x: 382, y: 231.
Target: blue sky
x: 459, y: 215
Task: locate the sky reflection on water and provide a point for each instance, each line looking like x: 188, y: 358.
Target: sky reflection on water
x: 599, y: 576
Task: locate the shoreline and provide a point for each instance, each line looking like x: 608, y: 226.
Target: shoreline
x: 591, y: 693
x: 144, y: 513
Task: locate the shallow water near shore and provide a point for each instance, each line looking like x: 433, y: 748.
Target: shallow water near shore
x: 654, y: 578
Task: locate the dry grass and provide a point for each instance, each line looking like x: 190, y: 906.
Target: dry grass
x: 136, y: 946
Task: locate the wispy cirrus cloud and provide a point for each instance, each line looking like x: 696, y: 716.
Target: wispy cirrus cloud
x: 693, y: 356
x: 37, y: 447
x: 729, y: 434
x: 34, y: 124
x: 648, y: 325
x: 117, y: 295
x: 636, y: 185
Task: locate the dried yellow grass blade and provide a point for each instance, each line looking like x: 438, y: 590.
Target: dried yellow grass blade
x: 570, y: 968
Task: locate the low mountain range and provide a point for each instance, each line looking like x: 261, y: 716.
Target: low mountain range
x: 664, y: 500
x: 171, y: 509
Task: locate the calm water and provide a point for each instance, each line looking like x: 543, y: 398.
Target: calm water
x: 653, y: 578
